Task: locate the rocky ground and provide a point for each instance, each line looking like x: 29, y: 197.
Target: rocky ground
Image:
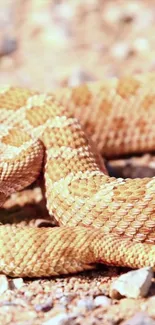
x: 47, y: 44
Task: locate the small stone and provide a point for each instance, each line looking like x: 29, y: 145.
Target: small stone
x: 102, y: 301
x: 44, y: 307
x: 112, y: 14
x: 85, y: 304
x: 8, y: 46
x: 140, y: 45
x: 148, y: 306
x: 60, y: 319
x: 4, y: 284
x: 78, y: 77
x: 65, y: 300
x: 6, y: 16
x: 120, y: 50
x: 130, y: 11
x: 139, y: 319
x: 18, y: 283
x: 28, y: 294
x: 40, y: 18
x: 134, y: 284
x: 59, y: 36
x: 64, y: 11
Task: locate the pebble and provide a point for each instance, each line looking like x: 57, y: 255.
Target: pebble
x: 64, y: 11
x: 45, y: 307
x: 102, y: 301
x: 4, y: 283
x: 112, y: 14
x: 87, y: 304
x: 120, y: 50
x: 139, y: 319
x: 149, y: 305
x: 130, y: 10
x: 17, y: 283
x: 140, y: 45
x: 28, y: 294
x: 65, y: 300
x: 59, y: 36
x: 8, y: 46
x: 134, y: 284
x: 60, y: 319
x: 5, y: 16
x: 40, y: 18
x: 79, y: 76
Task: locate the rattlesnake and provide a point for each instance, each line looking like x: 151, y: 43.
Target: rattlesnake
x: 101, y: 219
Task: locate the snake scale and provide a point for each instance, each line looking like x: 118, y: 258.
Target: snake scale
x: 101, y: 219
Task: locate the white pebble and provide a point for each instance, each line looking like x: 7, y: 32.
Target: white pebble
x: 132, y: 8
x: 4, y: 284
x: 86, y: 304
x: 102, y: 301
x: 141, y: 45
x: 134, y: 284
x: 59, y: 319
x: 112, y: 14
x: 64, y: 11
x: 120, y: 50
x: 18, y: 283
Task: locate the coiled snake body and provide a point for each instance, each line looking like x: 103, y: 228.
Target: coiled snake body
x: 102, y: 219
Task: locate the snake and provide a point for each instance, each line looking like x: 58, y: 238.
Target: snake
x: 64, y: 135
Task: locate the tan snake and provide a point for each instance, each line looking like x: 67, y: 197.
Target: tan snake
x: 102, y: 219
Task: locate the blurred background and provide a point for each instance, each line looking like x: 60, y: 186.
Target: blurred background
x: 50, y: 43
